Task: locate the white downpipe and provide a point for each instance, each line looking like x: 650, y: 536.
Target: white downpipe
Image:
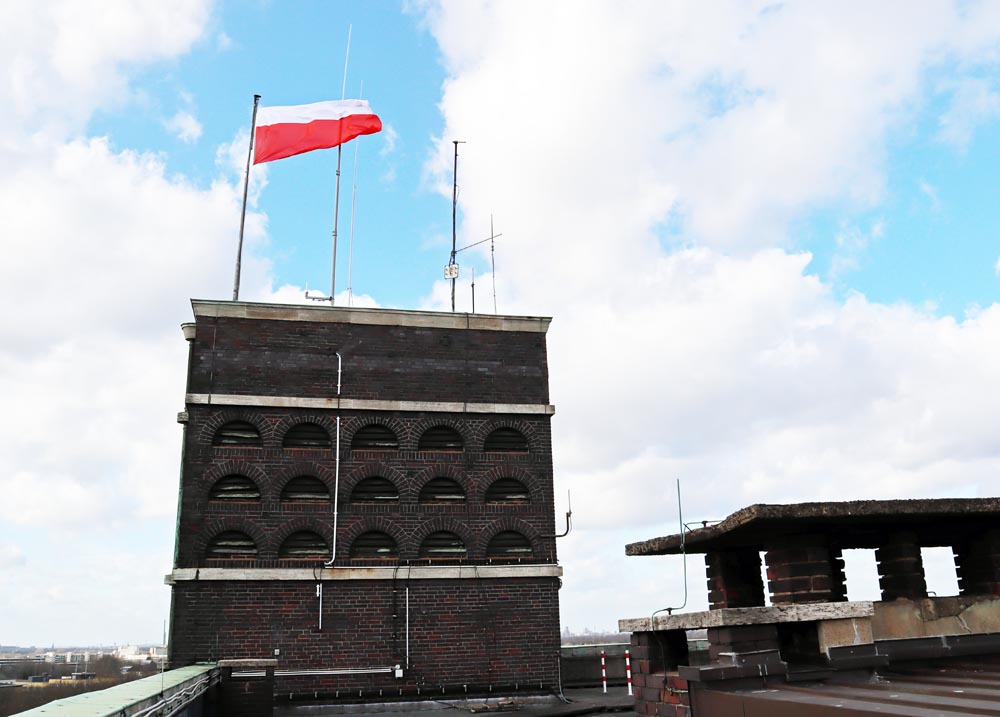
x: 407, y: 627
x: 336, y: 473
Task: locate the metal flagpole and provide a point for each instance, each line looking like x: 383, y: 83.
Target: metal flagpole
x: 336, y: 201
x: 454, y: 205
x: 243, y: 214
x: 354, y: 199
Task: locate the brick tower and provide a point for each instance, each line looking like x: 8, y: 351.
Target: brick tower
x: 366, y: 495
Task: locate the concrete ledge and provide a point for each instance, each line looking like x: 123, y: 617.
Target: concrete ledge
x: 348, y: 404
x: 463, y: 572
x: 381, y: 317
x: 728, y: 617
x: 258, y: 662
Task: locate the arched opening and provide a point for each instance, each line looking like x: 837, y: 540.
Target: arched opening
x: 306, y: 435
x: 303, y: 545
x: 508, y: 490
x: 235, y: 488
x: 237, y: 433
x: 442, y: 490
x: 375, y: 490
x: 374, y: 544
x: 441, y: 438
x: 305, y: 489
x: 506, y: 440
x: 231, y: 545
x: 509, y: 545
x: 443, y: 545
x: 375, y: 437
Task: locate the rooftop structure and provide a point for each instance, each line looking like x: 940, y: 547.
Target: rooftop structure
x: 366, y: 497
x: 811, y: 651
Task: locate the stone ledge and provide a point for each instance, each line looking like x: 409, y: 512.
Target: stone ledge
x: 251, y: 662
x: 464, y: 572
x: 356, y: 404
x: 726, y: 617
x: 381, y: 317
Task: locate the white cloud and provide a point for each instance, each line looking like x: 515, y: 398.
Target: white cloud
x: 648, y: 191
x: 389, y: 138
x: 11, y: 556
x: 185, y: 126
x: 973, y: 102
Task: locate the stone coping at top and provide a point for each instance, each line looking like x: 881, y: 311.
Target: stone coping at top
x: 381, y: 317
x: 734, y: 616
x: 249, y: 662
x: 855, y: 524
x: 402, y: 572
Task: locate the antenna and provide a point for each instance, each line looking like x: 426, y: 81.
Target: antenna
x: 354, y: 198
x: 680, y: 520
x: 452, y: 268
x: 451, y: 271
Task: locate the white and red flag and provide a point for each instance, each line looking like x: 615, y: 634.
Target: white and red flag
x: 286, y: 131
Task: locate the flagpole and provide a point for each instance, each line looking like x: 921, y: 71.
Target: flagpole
x: 243, y: 213
x: 336, y: 201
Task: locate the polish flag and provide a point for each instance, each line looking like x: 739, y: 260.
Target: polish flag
x: 286, y: 131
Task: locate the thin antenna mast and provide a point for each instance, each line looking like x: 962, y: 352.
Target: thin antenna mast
x: 354, y: 198
x: 243, y: 214
x: 451, y: 272
x: 493, y: 264
x: 473, y: 289
x: 336, y: 201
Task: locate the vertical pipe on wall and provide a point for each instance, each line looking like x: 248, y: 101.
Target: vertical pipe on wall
x: 336, y: 470
x: 407, y: 625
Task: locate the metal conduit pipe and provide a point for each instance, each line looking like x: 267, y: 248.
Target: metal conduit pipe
x: 336, y: 471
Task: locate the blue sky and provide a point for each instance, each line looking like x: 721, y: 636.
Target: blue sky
x: 765, y: 233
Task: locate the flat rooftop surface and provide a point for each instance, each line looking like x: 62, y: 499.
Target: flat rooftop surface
x: 946, y: 688
x: 856, y: 524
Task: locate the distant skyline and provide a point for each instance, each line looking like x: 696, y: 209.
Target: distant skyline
x: 766, y: 234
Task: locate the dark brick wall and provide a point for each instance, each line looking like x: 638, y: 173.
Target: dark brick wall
x: 476, y: 632
x: 470, y: 632
x: 297, y: 358
x: 270, y: 521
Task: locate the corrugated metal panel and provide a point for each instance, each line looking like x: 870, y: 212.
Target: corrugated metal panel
x: 443, y: 545
x: 303, y: 545
x: 506, y: 440
x: 442, y: 490
x: 374, y: 544
x: 231, y: 545
x: 237, y: 433
x: 305, y: 489
x: 375, y: 437
x: 441, y: 438
x: 507, y: 490
x: 375, y: 490
x: 235, y: 488
x: 306, y: 435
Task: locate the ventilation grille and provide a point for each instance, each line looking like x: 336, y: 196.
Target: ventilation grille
x: 442, y: 490
x: 375, y: 490
x: 374, y: 544
x: 306, y: 435
x: 303, y: 545
x: 443, y: 545
x: 509, y: 544
x: 234, y: 487
x: 237, y: 433
x: 307, y: 489
x: 232, y: 545
x: 507, y: 490
x: 441, y: 438
x: 506, y: 440
x: 375, y: 438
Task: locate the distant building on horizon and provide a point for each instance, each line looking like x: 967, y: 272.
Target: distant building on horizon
x: 417, y: 559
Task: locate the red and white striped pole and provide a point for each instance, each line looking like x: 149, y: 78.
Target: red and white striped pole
x: 628, y: 671
x: 604, y: 674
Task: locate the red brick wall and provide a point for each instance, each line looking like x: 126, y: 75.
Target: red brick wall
x: 478, y: 633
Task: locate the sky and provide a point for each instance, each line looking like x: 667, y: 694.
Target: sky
x: 765, y: 231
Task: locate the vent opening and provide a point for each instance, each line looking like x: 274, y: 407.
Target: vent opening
x: 303, y: 545
x: 306, y: 435
x: 237, y: 433
x: 443, y: 545
x: 508, y: 490
x: 506, y: 440
x: 374, y: 544
x: 441, y: 438
x: 234, y: 488
x: 231, y: 545
x: 305, y: 489
x: 375, y: 437
x: 442, y: 490
x: 509, y: 544
x: 375, y: 490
